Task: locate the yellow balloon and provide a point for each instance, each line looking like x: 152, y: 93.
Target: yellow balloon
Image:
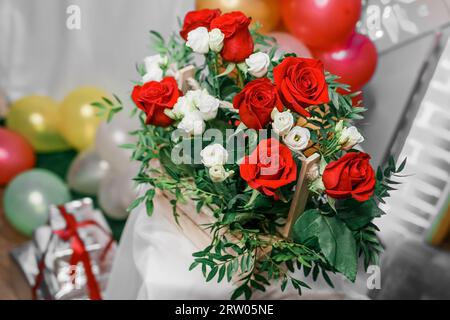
x: 79, y: 120
x: 266, y: 12
x: 36, y: 118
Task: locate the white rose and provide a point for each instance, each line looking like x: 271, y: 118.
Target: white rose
x: 192, y: 123
x: 155, y: 60
x: 153, y: 74
x: 153, y: 68
x: 183, y: 106
x: 194, y: 95
x: 214, y: 155
x: 282, y: 122
x: 198, y: 40
x: 218, y: 173
x: 350, y: 137
x: 216, y: 40
x: 297, y: 139
x: 208, y: 105
x: 258, y: 63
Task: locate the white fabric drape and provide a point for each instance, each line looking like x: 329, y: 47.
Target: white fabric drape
x: 40, y: 55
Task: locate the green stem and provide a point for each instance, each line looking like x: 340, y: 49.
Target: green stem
x: 240, y: 79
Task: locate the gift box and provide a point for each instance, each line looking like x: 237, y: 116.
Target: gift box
x: 71, y: 257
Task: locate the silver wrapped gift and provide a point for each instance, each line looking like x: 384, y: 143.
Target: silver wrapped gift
x: 70, y: 258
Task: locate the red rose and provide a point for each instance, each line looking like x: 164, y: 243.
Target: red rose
x: 350, y: 176
x: 256, y: 102
x: 196, y: 19
x: 155, y: 96
x: 301, y: 83
x: 238, y: 42
x: 269, y: 167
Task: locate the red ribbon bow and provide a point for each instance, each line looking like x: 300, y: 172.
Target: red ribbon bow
x: 79, y: 253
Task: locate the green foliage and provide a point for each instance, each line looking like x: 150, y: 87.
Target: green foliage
x: 332, y: 236
x: 357, y: 215
x: 368, y: 244
x: 108, y: 108
x: 174, y: 49
x: 385, y: 178
x: 248, y: 262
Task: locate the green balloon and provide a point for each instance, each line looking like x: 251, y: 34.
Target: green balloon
x: 28, y: 197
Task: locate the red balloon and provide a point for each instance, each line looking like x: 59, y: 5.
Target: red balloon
x: 290, y: 44
x: 16, y: 155
x: 355, y: 61
x: 321, y: 24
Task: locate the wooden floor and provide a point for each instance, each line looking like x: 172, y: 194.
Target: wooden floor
x: 12, y: 282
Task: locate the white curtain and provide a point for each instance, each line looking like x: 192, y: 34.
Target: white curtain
x: 39, y: 54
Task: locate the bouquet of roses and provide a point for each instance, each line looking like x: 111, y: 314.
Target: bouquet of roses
x: 264, y: 141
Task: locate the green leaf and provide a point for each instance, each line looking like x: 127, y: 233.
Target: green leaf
x: 238, y: 292
x: 327, y: 279
x: 199, y: 254
x: 212, y: 274
x: 284, y: 284
x: 356, y: 214
x: 228, y: 70
x: 157, y: 36
x: 257, y: 286
x: 98, y: 105
x: 334, y: 238
x: 149, y: 195
x: 261, y: 279
x: 222, y: 271
x: 247, y: 292
x: 149, y: 206
x: 301, y: 283
x: 229, y: 271
x: 127, y: 146
x: 117, y: 98
x: 135, y: 203
x: 205, y: 261
x: 402, y: 166
x: 306, y: 270
x: 243, y: 264
x: 332, y: 203
x: 108, y: 101
x: 198, y: 206
x: 193, y: 265
x: 391, y: 164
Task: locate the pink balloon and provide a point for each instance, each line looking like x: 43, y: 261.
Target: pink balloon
x: 16, y: 155
x: 290, y: 44
x: 355, y: 61
x: 320, y: 23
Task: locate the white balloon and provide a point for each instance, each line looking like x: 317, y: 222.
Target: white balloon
x: 86, y: 172
x: 117, y: 191
x: 113, y: 134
